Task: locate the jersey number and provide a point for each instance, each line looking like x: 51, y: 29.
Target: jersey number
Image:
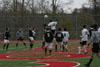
x: 48, y: 34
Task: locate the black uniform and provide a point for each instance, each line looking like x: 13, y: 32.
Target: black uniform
x: 6, y: 40
x: 48, y: 37
x: 7, y: 35
x: 59, y: 37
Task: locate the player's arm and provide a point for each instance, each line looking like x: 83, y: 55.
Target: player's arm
x: 91, y: 40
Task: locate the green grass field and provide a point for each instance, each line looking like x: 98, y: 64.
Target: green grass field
x: 28, y: 63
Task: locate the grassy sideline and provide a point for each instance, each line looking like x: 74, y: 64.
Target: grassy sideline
x: 28, y: 63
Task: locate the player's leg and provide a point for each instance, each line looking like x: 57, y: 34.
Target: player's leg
x: 56, y: 47
x: 90, y: 61
x: 79, y: 49
x: 66, y: 46
x: 4, y: 44
x: 50, y: 48
x: 17, y: 43
x: 7, y: 45
x: 45, y: 48
x: 23, y: 42
x: 84, y: 47
x: 43, y: 44
x: 62, y: 46
x: 31, y: 42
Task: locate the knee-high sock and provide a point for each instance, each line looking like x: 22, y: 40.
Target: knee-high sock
x: 16, y: 45
x: 79, y: 50
x: 63, y: 47
x: 50, y: 51
x: 24, y: 44
x: 45, y: 51
x: 55, y: 47
x: 84, y: 48
x: 90, y: 61
x: 4, y: 46
x: 31, y: 45
x: 7, y: 46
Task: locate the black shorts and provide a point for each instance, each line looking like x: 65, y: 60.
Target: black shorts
x: 53, y: 31
x: 83, y: 42
x: 20, y: 38
x: 95, y: 48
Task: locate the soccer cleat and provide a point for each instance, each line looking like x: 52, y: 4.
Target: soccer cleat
x: 87, y: 65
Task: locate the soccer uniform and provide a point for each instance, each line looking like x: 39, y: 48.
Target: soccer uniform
x: 99, y: 30
x: 6, y: 37
x: 19, y: 35
x: 6, y: 40
x: 53, y: 26
x: 31, y: 35
x: 84, y: 36
x: 48, y: 39
x: 95, y: 40
x: 59, y: 38
x: 66, y: 36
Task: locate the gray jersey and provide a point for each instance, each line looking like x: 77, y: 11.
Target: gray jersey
x: 95, y: 38
x: 19, y: 34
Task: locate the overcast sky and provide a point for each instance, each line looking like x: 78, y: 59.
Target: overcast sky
x: 75, y: 4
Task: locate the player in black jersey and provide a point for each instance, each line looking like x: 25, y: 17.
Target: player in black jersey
x: 48, y: 37
x: 6, y: 38
x: 20, y: 35
x: 59, y: 39
x: 95, y: 40
x: 31, y: 36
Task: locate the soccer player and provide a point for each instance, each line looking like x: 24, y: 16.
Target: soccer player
x: 90, y: 31
x: 95, y: 40
x: 59, y: 39
x: 53, y: 24
x: 84, y: 40
x: 20, y: 35
x: 65, y: 40
x: 99, y: 29
x: 31, y: 36
x: 48, y: 37
x: 6, y: 38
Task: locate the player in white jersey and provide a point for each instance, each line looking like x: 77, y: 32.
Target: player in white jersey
x: 84, y: 40
x: 99, y: 29
x: 53, y: 24
x: 65, y: 39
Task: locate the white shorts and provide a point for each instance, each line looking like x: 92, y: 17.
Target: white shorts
x: 6, y: 41
x: 61, y: 43
x: 48, y: 45
x: 65, y: 41
x: 31, y: 38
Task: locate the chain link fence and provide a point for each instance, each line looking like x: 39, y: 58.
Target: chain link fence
x: 14, y: 23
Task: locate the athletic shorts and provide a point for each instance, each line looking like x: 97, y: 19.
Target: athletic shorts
x: 20, y: 38
x: 53, y: 31
x: 31, y: 39
x: 61, y: 43
x: 6, y: 41
x: 95, y: 48
x: 48, y: 45
x: 83, y: 42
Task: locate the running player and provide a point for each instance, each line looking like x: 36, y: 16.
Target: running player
x: 53, y: 24
x: 6, y: 38
x: 95, y: 40
x: 59, y: 39
x: 48, y: 37
x: 20, y: 35
x: 84, y: 40
x: 31, y: 36
x: 65, y: 40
